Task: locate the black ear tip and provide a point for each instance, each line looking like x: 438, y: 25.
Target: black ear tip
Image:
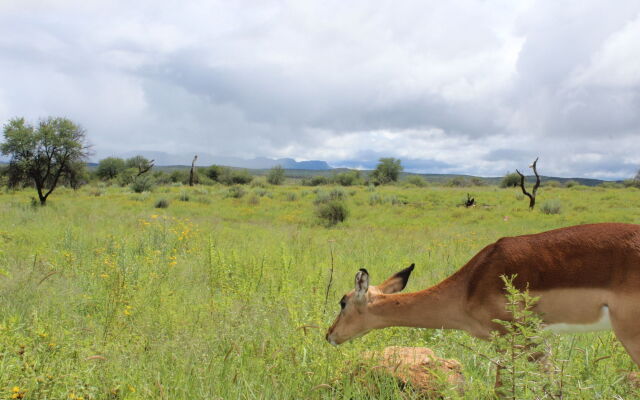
x: 412, y: 266
x: 364, y: 270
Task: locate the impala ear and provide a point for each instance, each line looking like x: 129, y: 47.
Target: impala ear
x: 362, y: 282
x: 397, y: 282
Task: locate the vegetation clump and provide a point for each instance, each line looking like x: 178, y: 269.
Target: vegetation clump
x: 276, y: 175
x: 511, y: 179
x: 553, y: 206
x: 162, y: 203
x: 332, y: 212
x: 236, y: 192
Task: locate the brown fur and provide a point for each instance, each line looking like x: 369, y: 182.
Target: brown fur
x: 575, y: 271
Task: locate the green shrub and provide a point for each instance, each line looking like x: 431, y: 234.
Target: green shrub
x: 458, y: 181
x: 551, y: 207
x: 162, y: 203
x: 143, y: 183
x: 375, y: 199
x: 347, y: 178
x: 276, y: 175
x: 552, y: 184
x: 416, y: 180
x: 235, y: 192
x: 230, y: 176
x: 571, y: 183
x: 332, y: 212
x: 324, y: 197
x: 291, y: 196
x: 635, y: 183
x: 184, y: 196
x: 315, y: 181
x: 510, y: 180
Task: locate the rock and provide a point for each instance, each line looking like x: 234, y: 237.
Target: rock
x: 419, y: 368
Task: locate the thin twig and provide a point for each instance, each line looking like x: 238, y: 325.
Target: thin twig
x: 326, y: 296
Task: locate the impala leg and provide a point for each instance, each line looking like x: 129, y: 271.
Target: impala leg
x: 627, y: 329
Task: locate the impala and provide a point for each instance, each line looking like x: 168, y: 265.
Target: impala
x: 587, y: 278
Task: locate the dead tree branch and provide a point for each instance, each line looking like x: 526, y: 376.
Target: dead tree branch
x: 532, y: 195
x: 191, y: 173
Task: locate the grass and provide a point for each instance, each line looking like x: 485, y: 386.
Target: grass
x: 107, y: 297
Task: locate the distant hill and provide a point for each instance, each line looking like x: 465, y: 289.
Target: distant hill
x: 204, y: 159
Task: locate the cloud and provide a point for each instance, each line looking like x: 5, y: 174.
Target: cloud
x: 461, y: 86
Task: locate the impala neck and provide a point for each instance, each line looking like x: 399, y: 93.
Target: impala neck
x: 440, y: 306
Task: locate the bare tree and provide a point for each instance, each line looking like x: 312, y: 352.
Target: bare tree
x: 532, y: 195
x: 192, y: 173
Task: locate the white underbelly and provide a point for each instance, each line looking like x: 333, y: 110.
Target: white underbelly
x: 602, y: 325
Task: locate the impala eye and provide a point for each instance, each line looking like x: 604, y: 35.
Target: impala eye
x: 343, y: 302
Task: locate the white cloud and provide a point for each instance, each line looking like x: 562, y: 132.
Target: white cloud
x: 465, y: 86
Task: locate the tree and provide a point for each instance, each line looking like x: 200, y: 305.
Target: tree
x: 45, y: 154
x: 142, y: 164
x: 388, y: 170
x: 276, y: 175
x: 110, y: 168
x: 193, y: 177
x: 532, y: 195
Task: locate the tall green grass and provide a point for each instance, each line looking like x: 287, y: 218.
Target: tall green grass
x: 108, y: 297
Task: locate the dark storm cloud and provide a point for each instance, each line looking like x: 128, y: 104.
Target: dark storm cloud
x: 464, y: 86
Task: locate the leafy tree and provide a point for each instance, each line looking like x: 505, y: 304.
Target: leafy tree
x: 110, y: 167
x: 510, y: 180
x: 142, y: 164
x: 276, y: 175
x: 388, y: 170
x: 45, y: 154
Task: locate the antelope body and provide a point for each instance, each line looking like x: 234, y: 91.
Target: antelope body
x: 587, y: 278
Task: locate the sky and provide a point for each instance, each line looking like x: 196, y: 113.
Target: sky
x: 476, y: 87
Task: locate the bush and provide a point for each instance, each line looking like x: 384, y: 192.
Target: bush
x: 571, y: 183
x: 611, y: 185
x: 276, y: 175
x: 162, y: 203
x: 184, y: 196
x: 335, y: 194
x: 230, y: 176
x: 235, y: 192
x: 458, y: 181
x: 551, y: 207
x: 143, y: 183
x: 347, y: 178
x: 510, y: 180
x: 632, y: 183
x: 475, y: 181
x: 552, y: 184
x: 332, y: 212
x: 315, y: 181
x: 416, y: 180
x: 179, y: 176
x: 291, y: 196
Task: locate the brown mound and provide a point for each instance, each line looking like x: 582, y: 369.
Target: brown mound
x: 634, y: 379
x: 419, y: 368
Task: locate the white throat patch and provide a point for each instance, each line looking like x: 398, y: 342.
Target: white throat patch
x: 602, y: 325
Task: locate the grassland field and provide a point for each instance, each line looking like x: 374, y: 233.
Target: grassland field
x: 104, y: 296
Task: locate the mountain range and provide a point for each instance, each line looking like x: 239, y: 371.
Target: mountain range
x: 204, y: 159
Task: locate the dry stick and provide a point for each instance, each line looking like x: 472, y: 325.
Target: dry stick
x: 326, y: 296
x: 46, y: 277
x: 191, y: 173
x: 532, y: 195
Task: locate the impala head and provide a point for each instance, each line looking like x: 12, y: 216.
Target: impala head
x: 355, y: 318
